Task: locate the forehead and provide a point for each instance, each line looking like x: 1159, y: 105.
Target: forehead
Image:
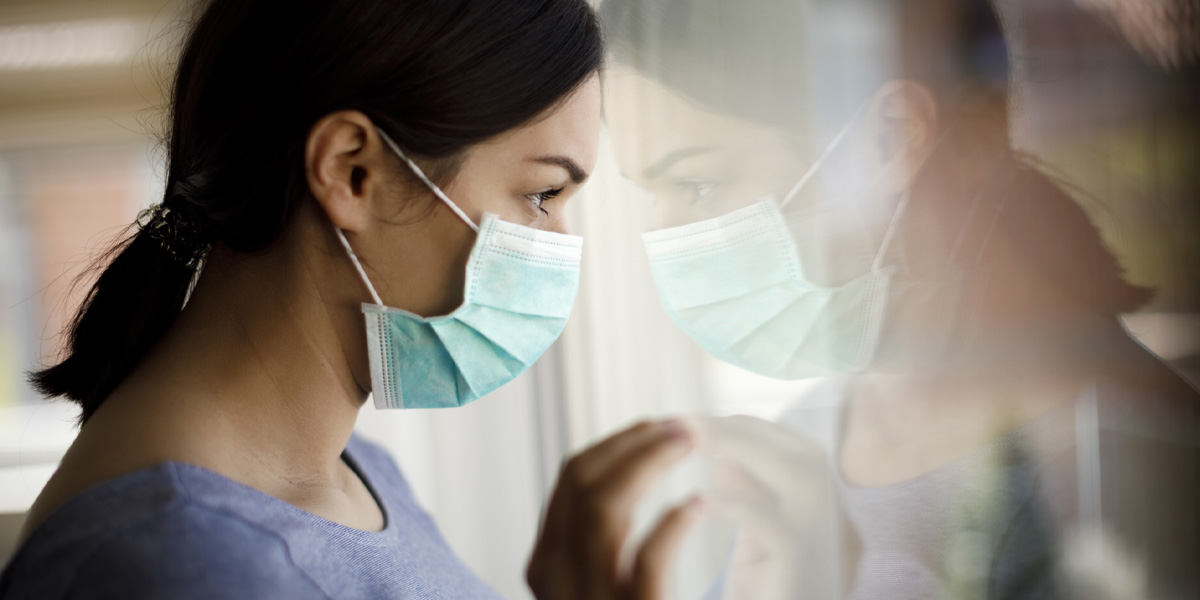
x: 570, y: 128
x: 650, y: 121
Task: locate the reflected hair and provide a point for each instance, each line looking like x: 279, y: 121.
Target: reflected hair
x: 255, y: 75
x: 754, y: 58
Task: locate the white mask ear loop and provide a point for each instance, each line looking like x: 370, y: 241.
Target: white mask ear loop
x: 421, y: 175
x: 812, y: 170
x: 357, y: 265
x: 891, y: 230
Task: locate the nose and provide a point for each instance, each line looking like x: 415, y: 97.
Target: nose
x: 557, y: 224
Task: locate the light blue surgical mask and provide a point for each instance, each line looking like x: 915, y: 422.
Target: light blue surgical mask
x: 520, y: 287
x: 735, y: 284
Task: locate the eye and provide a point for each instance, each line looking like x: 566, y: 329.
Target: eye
x: 541, y: 197
x: 697, y: 189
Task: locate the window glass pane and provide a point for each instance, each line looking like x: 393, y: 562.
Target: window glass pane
x: 925, y: 254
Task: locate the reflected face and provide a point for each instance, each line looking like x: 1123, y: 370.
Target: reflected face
x: 698, y: 164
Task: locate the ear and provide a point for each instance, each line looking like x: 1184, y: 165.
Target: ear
x: 342, y: 158
x: 903, y: 128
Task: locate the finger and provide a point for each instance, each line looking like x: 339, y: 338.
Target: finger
x: 768, y: 555
x: 600, y: 458
x: 658, y: 551
x: 580, y: 474
x: 587, y: 521
x: 628, y: 477
x: 607, y: 505
x: 732, y: 481
x: 772, y: 454
x: 767, y: 529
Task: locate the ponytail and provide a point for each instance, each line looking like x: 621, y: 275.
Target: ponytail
x: 137, y: 296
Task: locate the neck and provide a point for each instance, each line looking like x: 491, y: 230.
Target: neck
x: 900, y: 425
x: 257, y: 369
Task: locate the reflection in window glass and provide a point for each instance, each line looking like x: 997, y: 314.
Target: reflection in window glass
x: 937, y: 260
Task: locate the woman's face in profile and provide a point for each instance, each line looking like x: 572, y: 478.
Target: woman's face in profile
x: 524, y: 175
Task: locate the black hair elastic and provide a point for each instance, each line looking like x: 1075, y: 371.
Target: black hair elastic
x: 176, y: 233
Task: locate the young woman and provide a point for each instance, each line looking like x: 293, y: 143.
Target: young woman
x: 994, y: 431
x: 403, y: 163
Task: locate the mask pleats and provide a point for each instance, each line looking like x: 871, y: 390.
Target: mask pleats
x: 735, y: 285
x: 414, y: 349
x: 495, y: 325
x: 483, y: 365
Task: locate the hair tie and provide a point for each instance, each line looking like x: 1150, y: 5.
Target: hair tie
x: 189, y: 188
x: 177, y: 234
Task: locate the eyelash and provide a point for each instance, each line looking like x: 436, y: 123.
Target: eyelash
x: 541, y: 197
x: 699, y: 188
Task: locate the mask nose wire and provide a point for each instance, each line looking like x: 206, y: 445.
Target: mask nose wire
x: 432, y: 186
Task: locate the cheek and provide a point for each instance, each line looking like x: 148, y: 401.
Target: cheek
x: 477, y: 194
x: 419, y: 266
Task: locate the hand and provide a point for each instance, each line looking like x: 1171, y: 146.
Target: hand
x: 577, y: 554
x: 775, y: 486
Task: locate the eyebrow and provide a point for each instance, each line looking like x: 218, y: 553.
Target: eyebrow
x: 661, y: 165
x: 577, y: 174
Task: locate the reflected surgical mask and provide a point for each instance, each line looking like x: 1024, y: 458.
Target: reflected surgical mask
x: 735, y: 285
x: 520, y: 286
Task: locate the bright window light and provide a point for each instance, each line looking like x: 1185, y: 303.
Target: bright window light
x: 68, y: 44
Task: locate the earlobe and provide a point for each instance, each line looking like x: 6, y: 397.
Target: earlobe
x: 336, y: 167
x: 905, y: 116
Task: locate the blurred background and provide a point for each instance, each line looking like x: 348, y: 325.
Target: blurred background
x: 80, y: 92
x: 1107, y: 103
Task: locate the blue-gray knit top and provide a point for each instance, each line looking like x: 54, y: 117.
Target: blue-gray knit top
x: 183, y: 532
